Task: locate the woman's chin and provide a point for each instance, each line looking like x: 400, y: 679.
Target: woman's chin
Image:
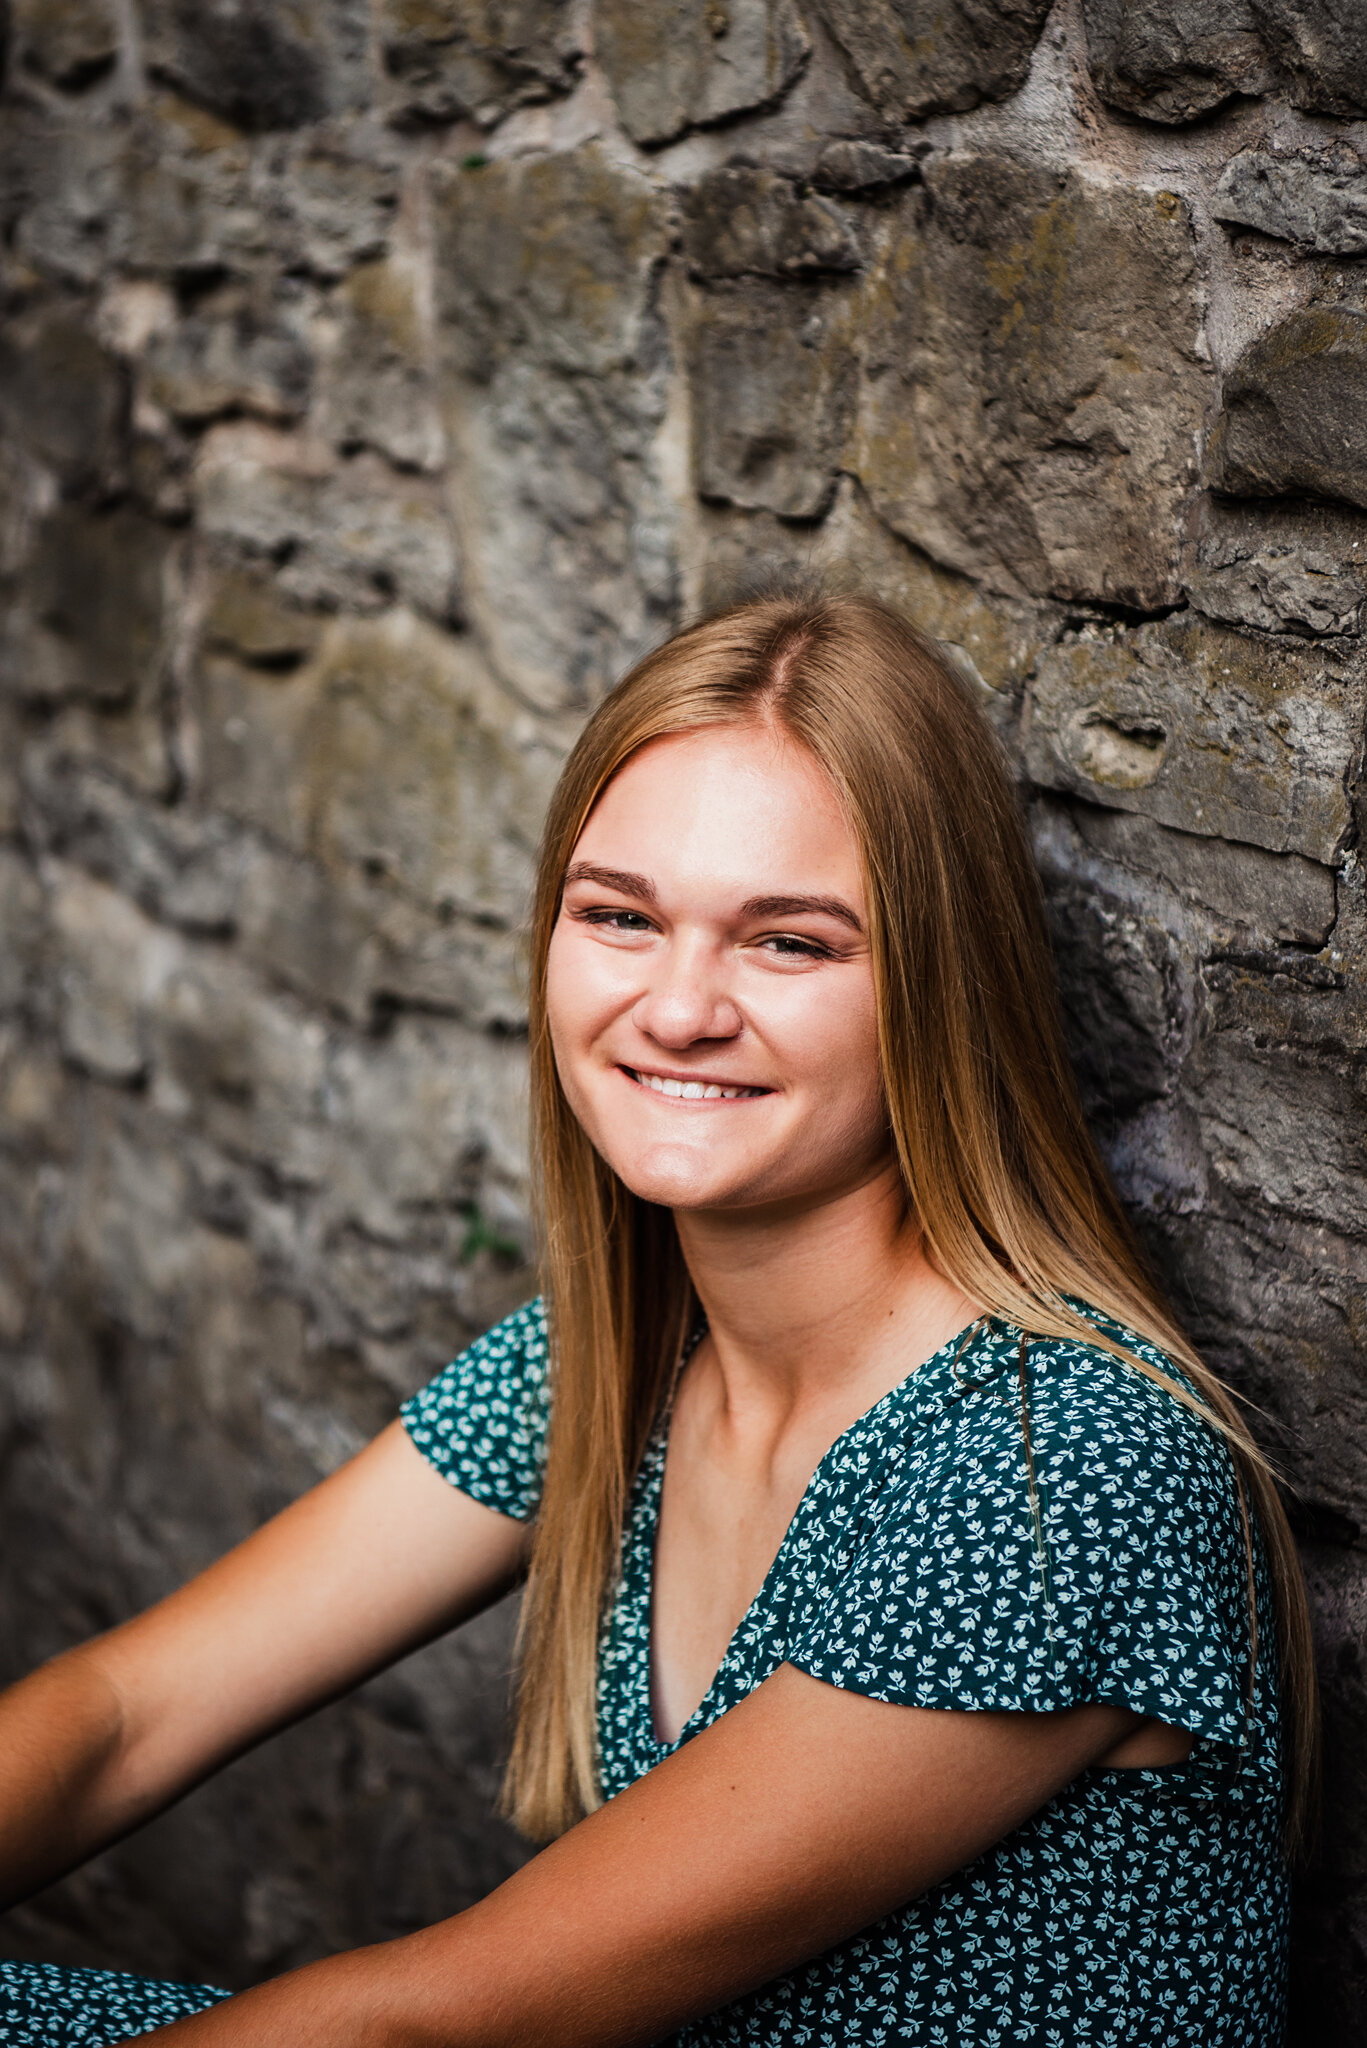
x: 674, y: 1179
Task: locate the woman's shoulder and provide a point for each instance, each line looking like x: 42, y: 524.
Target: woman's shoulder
x: 1083, y: 1384
x: 482, y: 1420
x: 1048, y: 1524
x: 509, y: 1360
x: 1128, y: 1420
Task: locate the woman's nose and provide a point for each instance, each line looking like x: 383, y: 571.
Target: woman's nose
x: 687, y: 1000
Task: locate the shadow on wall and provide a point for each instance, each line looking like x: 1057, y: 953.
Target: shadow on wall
x: 374, y: 383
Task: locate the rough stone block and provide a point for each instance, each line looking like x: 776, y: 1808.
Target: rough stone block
x: 331, y: 197
x: 1317, y: 198
x: 557, y: 488
x: 37, y: 1095
x: 773, y: 393
x: 27, y: 490
x: 129, y: 741
x: 551, y: 265
x: 22, y: 921
x: 184, y: 199
x: 1294, y: 411
x: 20, y: 1242
x: 1201, y: 730
x: 417, y: 769
x: 110, y: 961
x: 391, y: 759
x: 1174, y: 62
x: 182, y: 867
x: 1287, y: 1003
x: 61, y: 394
x: 194, y: 199
x: 174, y: 190
x: 1055, y: 460
x: 1236, y: 1199
x: 244, y: 1066
x: 355, y: 537
x: 740, y: 222
x: 467, y: 967
x: 1283, y: 568
x: 918, y: 57
x: 689, y: 64
x: 247, y: 735
x: 244, y: 614
x: 261, y: 64
x: 1321, y: 47
x: 851, y: 166
x: 68, y: 43
x: 1179, y: 61
x: 452, y: 60
x: 1272, y: 1302
x: 354, y: 938
x: 1277, y: 898
x: 422, y: 1117
x: 554, y: 256
x: 134, y: 1256
x: 378, y: 389
x: 92, y: 621
x: 11, y: 744
x: 1125, y: 997
x: 306, y: 933
x: 1282, y: 1125
x: 62, y: 178
x: 230, y: 356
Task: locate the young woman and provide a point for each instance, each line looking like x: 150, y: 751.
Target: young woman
x: 913, y: 1647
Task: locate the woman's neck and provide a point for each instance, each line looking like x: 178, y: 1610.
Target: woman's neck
x: 820, y: 1305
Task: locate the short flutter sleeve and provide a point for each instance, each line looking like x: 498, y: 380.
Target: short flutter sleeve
x: 1118, y: 1576
x: 482, y: 1421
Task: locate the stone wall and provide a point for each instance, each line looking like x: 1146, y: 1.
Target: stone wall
x: 377, y: 377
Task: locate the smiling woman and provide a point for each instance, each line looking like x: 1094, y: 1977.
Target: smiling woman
x: 680, y: 985
x: 913, y: 1648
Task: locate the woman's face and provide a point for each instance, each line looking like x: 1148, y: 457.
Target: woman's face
x: 710, y: 990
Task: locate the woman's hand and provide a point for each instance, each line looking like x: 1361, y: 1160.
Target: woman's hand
x: 802, y: 1816
x: 381, y: 1557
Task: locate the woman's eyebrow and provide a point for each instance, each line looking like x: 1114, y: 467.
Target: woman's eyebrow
x: 794, y: 906
x: 624, y: 883
x: 620, y: 879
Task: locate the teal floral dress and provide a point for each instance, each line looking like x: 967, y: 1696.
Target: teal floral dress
x: 931, y: 1561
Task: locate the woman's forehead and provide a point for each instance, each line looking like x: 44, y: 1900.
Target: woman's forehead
x: 741, y: 802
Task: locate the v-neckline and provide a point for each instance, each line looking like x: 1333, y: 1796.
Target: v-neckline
x: 653, y: 1499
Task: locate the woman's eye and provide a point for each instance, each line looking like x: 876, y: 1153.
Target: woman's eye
x: 789, y: 947
x: 619, y: 920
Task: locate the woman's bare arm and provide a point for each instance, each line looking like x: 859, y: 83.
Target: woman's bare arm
x: 379, y: 1558
x: 803, y: 1815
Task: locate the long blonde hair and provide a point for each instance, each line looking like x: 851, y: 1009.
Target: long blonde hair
x: 999, y: 1167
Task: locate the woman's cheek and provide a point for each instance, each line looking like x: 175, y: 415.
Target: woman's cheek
x: 845, y: 1078
x: 832, y: 1036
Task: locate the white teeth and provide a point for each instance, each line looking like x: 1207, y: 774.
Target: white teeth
x: 692, y: 1091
